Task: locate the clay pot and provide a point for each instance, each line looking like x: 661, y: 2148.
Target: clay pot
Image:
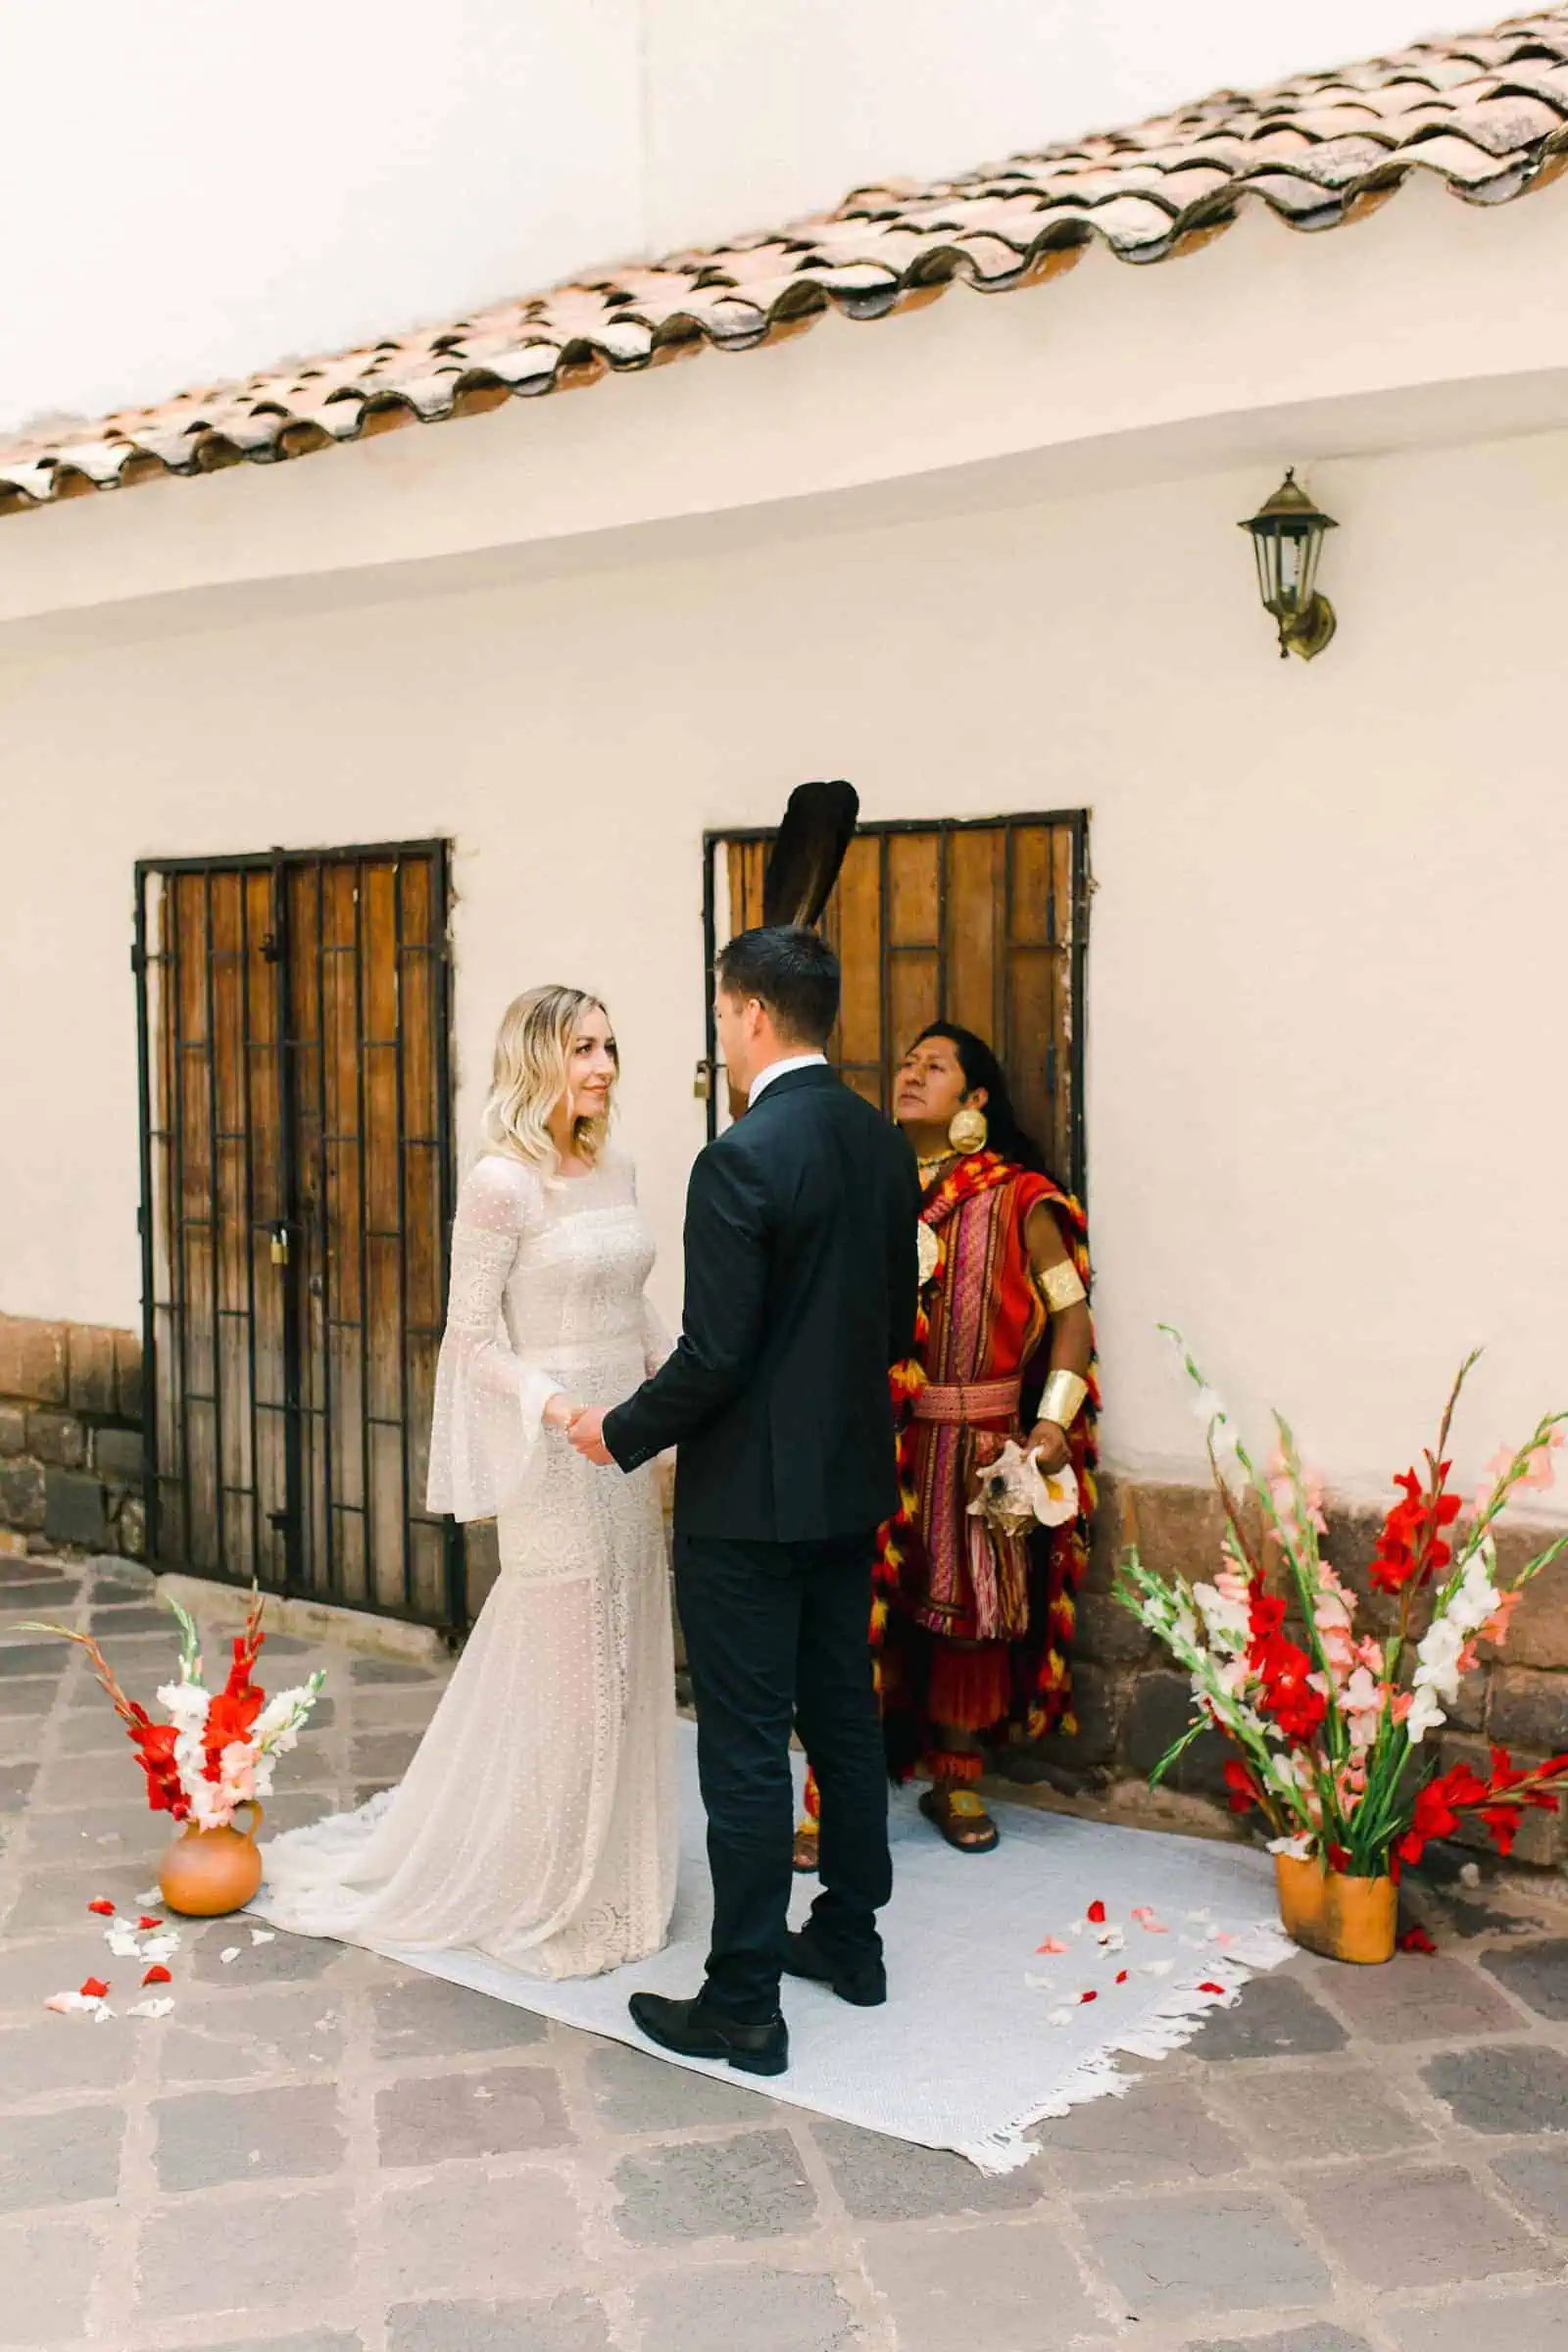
x: 207, y: 1871
x: 1339, y: 1918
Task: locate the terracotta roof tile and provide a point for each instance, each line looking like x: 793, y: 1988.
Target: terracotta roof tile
x: 1487, y: 113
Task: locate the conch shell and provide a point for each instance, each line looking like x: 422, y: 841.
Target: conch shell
x: 1015, y: 1494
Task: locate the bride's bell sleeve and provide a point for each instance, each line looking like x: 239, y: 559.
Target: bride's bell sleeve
x: 488, y: 1404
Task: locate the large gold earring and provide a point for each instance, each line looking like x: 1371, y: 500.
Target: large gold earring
x: 968, y: 1131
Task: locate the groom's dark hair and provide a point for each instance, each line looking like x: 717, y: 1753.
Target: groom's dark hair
x: 793, y: 971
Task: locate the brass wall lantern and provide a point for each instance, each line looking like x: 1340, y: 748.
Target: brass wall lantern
x: 1287, y: 541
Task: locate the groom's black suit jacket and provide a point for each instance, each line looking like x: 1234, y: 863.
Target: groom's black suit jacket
x: 800, y: 1286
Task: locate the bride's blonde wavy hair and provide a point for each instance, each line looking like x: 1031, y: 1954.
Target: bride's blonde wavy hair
x: 532, y: 1071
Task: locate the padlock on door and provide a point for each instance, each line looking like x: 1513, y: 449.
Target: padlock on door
x: 281, y: 1245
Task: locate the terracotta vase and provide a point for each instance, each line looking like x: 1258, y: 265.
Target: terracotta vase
x: 1340, y: 1918
x: 207, y: 1871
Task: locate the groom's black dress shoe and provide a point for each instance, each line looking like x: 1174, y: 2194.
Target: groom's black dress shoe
x: 694, y: 2030
x: 860, y: 1980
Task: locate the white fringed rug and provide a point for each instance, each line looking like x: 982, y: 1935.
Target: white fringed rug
x: 984, y: 2034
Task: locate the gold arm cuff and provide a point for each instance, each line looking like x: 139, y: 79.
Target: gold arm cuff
x: 1061, y: 1286
x: 1064, y: 1392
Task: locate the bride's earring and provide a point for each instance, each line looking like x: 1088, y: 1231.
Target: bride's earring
x: 968, y: 1130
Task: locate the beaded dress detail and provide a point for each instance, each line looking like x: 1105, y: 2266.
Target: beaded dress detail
x: 537, y: 1821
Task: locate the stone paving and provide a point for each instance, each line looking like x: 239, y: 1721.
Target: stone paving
x: 320, y: 2152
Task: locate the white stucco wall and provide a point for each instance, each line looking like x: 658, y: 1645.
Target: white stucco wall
x: 1328, y: 958
x: 216, y: 198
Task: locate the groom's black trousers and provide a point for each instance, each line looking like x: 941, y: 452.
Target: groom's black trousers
x: 777, y: 1634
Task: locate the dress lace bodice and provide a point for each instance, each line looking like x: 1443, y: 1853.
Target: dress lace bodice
x: 547, y: 1295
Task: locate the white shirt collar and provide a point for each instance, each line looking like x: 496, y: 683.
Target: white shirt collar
x: 776, y: 1069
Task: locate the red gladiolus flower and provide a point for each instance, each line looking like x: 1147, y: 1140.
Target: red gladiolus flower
x: 1437, y: 1807
x: 1289, y: 1693
x: 155, y: 1747
x: 230, y: 1717
x: 1411, y: 1548
x: 1339, y: 1861
x: 1265, y: 1617
x: 1503, y: 1823
x: 1416, y: 1940
x: 1241, y: 1790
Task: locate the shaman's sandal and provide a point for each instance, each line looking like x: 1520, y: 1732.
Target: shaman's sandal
x: 961, y: 1819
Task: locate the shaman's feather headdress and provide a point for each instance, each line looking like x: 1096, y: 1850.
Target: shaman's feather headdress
x: 807, y: 851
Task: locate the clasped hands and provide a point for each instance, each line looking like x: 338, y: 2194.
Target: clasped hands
x: 584, y: 1425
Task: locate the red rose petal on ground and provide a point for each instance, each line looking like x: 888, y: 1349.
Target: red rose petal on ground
x: 1087, y: 1997
x: 1097, y: 1915
x: 146, y: 1922
x: 158, y: 1976
x: 1121, y: 1975
x: 1416, y: 1940
x: 104, y: 1908
x: 1210, y: 1986
x: 94, y: 1989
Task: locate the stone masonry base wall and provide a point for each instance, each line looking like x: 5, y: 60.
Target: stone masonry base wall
x: 70, y: 1473
x: 70, y: 1437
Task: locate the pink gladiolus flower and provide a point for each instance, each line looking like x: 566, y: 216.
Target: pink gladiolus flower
x: 1338, y: 1641
x: 1361, y: 1705
x: 1283, y: 1497
x: 1495, y: 1628
x: 1541, y: 1474
x: 1369, y: 1653
x: 1282, y: 1493
x: 1232, y: 1586
x: 1400, y: 1704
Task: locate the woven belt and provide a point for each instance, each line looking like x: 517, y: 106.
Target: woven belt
x: 989, y: 1401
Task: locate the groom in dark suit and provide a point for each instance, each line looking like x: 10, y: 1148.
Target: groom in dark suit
x: 800, y: 1280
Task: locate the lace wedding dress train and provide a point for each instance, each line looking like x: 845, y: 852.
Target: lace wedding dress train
x: 537, y: 1822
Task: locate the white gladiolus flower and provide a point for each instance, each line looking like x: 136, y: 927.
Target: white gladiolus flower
x: 1477, y: 1597
x: 283, y: 1719
x: 187, y: 1704
x: 1438, y: 1660
x: 1425, y: 1715
x: 1227, y: 1620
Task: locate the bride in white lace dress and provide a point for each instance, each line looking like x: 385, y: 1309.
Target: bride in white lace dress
x: 537, y: 1822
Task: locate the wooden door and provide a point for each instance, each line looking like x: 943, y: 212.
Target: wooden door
x: 984, y: 924
x: 296, y: 1199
